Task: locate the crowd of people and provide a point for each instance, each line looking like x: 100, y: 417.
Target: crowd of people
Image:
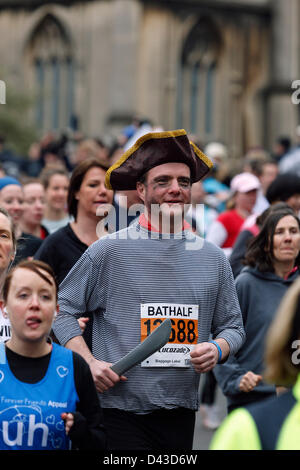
x: 88, y: 269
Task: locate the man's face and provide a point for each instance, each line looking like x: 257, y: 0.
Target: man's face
x: 167, y: 186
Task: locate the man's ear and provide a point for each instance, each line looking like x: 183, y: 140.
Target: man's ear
x: 140, y: 188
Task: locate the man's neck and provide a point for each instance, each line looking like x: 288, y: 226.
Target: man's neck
x: 155, y: 224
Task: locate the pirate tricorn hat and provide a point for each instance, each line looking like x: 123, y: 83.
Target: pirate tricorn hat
x: 153, y: 149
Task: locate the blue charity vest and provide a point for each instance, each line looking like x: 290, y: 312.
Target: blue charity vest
x: 30, y: 414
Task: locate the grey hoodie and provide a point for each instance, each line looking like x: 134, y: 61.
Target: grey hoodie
x: 259, y: 295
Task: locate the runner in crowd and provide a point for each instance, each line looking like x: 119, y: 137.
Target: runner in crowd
x: 225, y: 229
x: 272, y: 424
x: 272, y: 261
x: 129, y: 278
x: 34, y: 209
x: 86, y: 194
x: 48, y: 397
x: 11, y: 199
x: 285, y: 188
x: 237, y: 256
x: 56, y: 184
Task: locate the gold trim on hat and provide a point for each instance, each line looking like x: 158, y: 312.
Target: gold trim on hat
x: 201, y: 155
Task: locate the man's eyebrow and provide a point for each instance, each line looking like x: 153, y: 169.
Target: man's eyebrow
x: 161, y: 177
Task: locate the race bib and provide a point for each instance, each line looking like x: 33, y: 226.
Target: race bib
x: 184, y: 333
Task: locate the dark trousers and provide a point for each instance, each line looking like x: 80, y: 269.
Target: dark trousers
x: 159, y: 430
x: 209, y: 389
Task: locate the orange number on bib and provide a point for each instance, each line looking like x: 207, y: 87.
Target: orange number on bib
x: 183, y: 331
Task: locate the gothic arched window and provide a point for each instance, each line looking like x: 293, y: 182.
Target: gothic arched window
x: 51, y: 58
x: 196, y: 79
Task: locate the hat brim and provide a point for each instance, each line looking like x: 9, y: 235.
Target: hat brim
x: 246, y: 189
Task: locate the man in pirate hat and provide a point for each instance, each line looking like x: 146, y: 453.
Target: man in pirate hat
x: 131, y: 280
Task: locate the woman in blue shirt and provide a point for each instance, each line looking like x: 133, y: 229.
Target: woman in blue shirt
x: 48, y: 398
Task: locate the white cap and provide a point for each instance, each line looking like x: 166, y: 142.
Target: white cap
x: 244, y: 182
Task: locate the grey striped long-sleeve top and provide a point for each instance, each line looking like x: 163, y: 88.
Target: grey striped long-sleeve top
x: 124, y: 271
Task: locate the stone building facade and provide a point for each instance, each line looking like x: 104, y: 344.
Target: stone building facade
x: 221, y: 69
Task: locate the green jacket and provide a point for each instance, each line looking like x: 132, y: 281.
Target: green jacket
x: 270, y: 425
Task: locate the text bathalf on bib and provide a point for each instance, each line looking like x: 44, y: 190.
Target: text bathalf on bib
x: 184, y: 334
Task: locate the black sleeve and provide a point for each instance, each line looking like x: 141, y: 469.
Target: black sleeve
x: 27, y: 246
x: 88, y: 432
x: 47, y: 252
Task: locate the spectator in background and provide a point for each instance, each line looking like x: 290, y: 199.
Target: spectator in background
x: 33, y: 165
x: 225, y: 229
x: 286, y: 188
x: 34, y: 209
x: 56, y: 185
x: 267, y: 173
x: 86, y: 149
x: 143, y: 126
x: 128, y: 206
x: 103, y: 150
x: 217, y: 192
x: 199, y: 211
x: 49, y: 152
x: 55, y: 154
x: 281, y: 147
x: 129, y: 131
x: 253, y: 159
x: 116, y: 151
x: 258, y: 162
x: 9, y: 161
x: 51, y: 158
x: 290, y: 161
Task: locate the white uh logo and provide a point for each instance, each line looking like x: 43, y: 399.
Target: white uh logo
x: 2, y: 92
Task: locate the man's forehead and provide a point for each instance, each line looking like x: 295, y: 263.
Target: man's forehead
x: 170, y: 169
